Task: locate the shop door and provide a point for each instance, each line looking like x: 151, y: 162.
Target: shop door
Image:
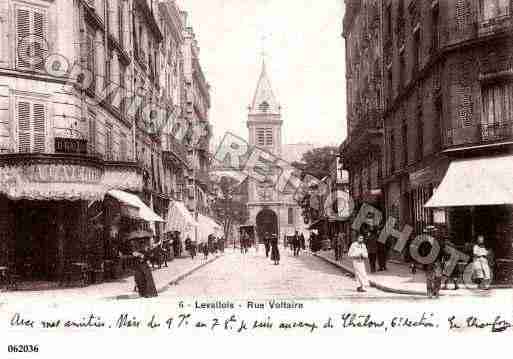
x: 35, y: 241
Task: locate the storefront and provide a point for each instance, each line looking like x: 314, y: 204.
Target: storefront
x: 52, y: 210
x: 478, y: 196
x: 180, y: 219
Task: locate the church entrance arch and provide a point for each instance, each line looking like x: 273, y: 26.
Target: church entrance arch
x: 266, y: 222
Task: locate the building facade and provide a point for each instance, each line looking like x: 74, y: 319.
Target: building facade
x: 446, y: 95
x: 362, y: 151
x: 269, y: 210
x: 197, y: 106
x: 79, y: 82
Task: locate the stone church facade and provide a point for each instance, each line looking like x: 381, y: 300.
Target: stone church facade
x: 269, y: 210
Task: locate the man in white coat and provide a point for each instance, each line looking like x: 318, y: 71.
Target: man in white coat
x: 358, y: 253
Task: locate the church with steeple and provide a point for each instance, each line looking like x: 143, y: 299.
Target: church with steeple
x: 269, y: 210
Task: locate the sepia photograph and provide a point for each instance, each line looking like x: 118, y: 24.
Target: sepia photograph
x: 253, y: 168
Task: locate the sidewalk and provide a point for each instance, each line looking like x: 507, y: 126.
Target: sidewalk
x: 177, y: 269
x: 397, y: 278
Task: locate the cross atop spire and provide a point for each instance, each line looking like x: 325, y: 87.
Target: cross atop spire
x: 263, y: 53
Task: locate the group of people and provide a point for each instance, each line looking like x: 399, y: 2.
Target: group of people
x: 363, y: 250
x: 298, y: 243
x: 212, y: 245
x: 481, y: 272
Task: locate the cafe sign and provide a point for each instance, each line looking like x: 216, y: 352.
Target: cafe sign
x: 62, y: 173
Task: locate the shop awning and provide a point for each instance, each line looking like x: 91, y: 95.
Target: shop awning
x: 475, y: 182
x: 207, y: 226
x: 145, y: 212
x: 180, y: 219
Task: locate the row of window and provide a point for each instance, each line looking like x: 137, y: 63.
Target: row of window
x: 496, y: 123
x: 416, y: 46
x: 32, y: 125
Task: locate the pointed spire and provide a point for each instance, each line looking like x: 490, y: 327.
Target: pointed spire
x: 264, y: 100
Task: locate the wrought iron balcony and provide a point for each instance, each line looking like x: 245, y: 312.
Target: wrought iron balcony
x: 496, y: 131
x: 479, y: 134
x: 495, y: 25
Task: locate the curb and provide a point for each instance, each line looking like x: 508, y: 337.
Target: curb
x: 172, y: 282
x: 373, y: 284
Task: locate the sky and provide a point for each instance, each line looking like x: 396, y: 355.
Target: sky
x: 304, y: 58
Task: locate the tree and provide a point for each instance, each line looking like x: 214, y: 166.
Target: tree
x: 229, y: 207
x: 317, y: 161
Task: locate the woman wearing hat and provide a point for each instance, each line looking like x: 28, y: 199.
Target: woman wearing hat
x: 143, y: 277
x: 275, y: 252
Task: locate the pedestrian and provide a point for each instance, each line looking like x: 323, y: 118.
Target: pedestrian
x: 221, y: 244
x: 434, y: 277
x: 446, y: 259
x: 302, y: 241
x: 372, y: 249
x: 275, y: 252
x: 167, y: 251
x: 358, y: 253
x: 481, y: 267
x: 177, y: 245
x: 296, y: 243
x: 267, y: 244
x: 243, y: 242
x: 142, y: 275
x: 205, y: 249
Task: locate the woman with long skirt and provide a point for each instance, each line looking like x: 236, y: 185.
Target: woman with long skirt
x: 275, y: 252
x: 481, y: 266
x: 143, y: 277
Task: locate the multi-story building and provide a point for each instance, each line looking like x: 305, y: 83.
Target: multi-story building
x: 197, y: 105
x: 448, y: 120
x: 362, y: 150
x: 83, y: 156
x: 176, y: 165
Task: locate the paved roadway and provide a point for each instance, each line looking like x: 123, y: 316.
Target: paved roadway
x: 254, y: 276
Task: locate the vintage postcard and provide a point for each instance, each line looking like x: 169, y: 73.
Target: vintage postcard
x: 248, y: 169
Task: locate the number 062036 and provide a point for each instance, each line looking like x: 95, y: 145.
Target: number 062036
x: 23, y: 348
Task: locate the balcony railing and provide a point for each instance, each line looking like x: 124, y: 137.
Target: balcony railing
x: 495, y: 25
x: 496, y: 131
x: 478, y: 134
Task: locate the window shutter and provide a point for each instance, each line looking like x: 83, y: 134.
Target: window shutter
x: 24, y: 126
x: 22, y: 31
x: 31, y: 23
x: 39, y: 121
x: 41, y: 33
x: 92, y: 133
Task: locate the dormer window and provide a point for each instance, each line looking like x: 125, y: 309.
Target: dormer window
x: 264, y: 106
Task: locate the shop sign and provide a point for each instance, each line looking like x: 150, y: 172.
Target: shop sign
x: 422, y: 176
x: 62, y: 173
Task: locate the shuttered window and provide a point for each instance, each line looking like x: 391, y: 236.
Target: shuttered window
x: 260, y: 136
x: 108, y: 141
x: 92, y: 133
x: 90, y: 58
x: 121, y: 23
x: 31, y: 117
x: 31, y: 29
x: 290, y: 215
x: 268, y: 137
x: 123, y: 155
